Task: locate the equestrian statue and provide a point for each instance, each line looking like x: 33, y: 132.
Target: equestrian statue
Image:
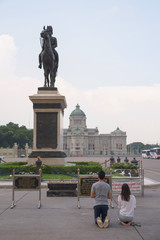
x: 48, y: 58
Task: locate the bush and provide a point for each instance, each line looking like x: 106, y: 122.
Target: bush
x: 13, y: 163
x: 87, y: 168
x: 124, y: 166
x: 80, y: 163
x: 86, y: 163
x: 70, y: 170
x: 7, y: 168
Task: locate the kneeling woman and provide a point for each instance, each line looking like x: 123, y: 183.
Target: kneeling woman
x: 126, y: 204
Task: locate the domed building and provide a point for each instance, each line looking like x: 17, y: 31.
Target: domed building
x: 78, y: 140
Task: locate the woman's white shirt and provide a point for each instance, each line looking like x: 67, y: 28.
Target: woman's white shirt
x: 127, y: 208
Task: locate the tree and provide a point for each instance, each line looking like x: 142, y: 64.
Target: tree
x: 137, y: 147
x: 12, y: 133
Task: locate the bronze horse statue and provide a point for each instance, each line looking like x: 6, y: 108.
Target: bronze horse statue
x: 48, y: 57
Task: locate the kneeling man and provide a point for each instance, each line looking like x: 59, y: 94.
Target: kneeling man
x: 101, y: 191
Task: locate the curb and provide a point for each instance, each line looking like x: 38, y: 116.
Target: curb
x: 152, y: 185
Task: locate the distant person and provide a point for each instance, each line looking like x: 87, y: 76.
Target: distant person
x: 101, y: 191
x: 126, y: 204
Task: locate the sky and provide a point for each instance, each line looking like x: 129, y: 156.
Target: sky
x: 109, y: 62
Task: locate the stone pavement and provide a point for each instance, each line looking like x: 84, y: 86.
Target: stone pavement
x: 60, y: 219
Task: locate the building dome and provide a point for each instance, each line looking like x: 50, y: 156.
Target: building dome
x: 77, y: 131
x: 117, y: 130
x: 77, y: 112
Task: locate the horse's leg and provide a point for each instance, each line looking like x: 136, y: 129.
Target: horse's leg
x: 48, y: 77
x: 45, y: 80
x: 46, y: 73
x: 52, y: 78
x: 44, y: 68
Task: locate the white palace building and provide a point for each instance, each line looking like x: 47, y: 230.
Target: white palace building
x: 78, y: 140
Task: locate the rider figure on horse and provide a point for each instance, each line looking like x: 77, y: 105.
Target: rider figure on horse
x: 53, y: 45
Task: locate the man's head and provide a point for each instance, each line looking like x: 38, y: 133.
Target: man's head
x: 101, y: 175
x: 50, y: 29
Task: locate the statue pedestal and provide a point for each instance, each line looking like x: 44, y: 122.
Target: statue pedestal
x: 48, y: 106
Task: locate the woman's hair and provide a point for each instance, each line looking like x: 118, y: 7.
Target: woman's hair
x: 125, y: 193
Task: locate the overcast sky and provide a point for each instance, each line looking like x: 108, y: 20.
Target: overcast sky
x: 109, y: 62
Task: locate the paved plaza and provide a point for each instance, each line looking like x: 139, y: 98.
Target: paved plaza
x: 59, y: 218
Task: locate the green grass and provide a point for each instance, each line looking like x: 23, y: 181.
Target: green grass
x: 115, y: 174
x: 56, y: 176
x: 44, y: 177
x: 5, y: 177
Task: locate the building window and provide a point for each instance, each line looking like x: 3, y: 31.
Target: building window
x: 90, y: 146
x: 65, y: 146
x: 77, y: 122
x: 119, y: 146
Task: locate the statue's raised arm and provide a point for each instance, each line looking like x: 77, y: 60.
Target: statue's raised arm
x: 48, y: 58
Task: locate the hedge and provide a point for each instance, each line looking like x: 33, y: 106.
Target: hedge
x: 72, y: 170
x: 86, y: 163
x: 91, y: 167
x: 13, y: 163
x: 7, y: 168
x: 124, y: 166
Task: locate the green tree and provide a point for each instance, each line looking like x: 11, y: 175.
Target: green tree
x: 137, y: 147
x: 12, y: 133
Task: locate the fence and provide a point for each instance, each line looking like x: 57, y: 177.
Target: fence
x: 30, y: 182
x: 14, y: 152
x: 134, y: 178
x: 84, y: 182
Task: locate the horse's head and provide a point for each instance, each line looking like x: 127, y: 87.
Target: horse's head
x: 45, y: 34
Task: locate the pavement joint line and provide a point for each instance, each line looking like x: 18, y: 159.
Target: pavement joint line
x: 138, y: 232
x: 15, y: 202
x: 5, y: 210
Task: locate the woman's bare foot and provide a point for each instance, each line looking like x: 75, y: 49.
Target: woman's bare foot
x: 126, y: 224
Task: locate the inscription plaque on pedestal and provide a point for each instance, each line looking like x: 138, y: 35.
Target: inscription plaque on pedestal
x: 86, y: 184
x: 26, y: 182
x: 46, y: 130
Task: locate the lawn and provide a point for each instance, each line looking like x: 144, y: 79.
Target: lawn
x: 46, y: 176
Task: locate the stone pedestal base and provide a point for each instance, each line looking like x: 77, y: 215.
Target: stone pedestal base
x: 47, y: 157
x: 61, y: 193
x: 62, y: 190
x: 47, y: 161
x: 48, y: 107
